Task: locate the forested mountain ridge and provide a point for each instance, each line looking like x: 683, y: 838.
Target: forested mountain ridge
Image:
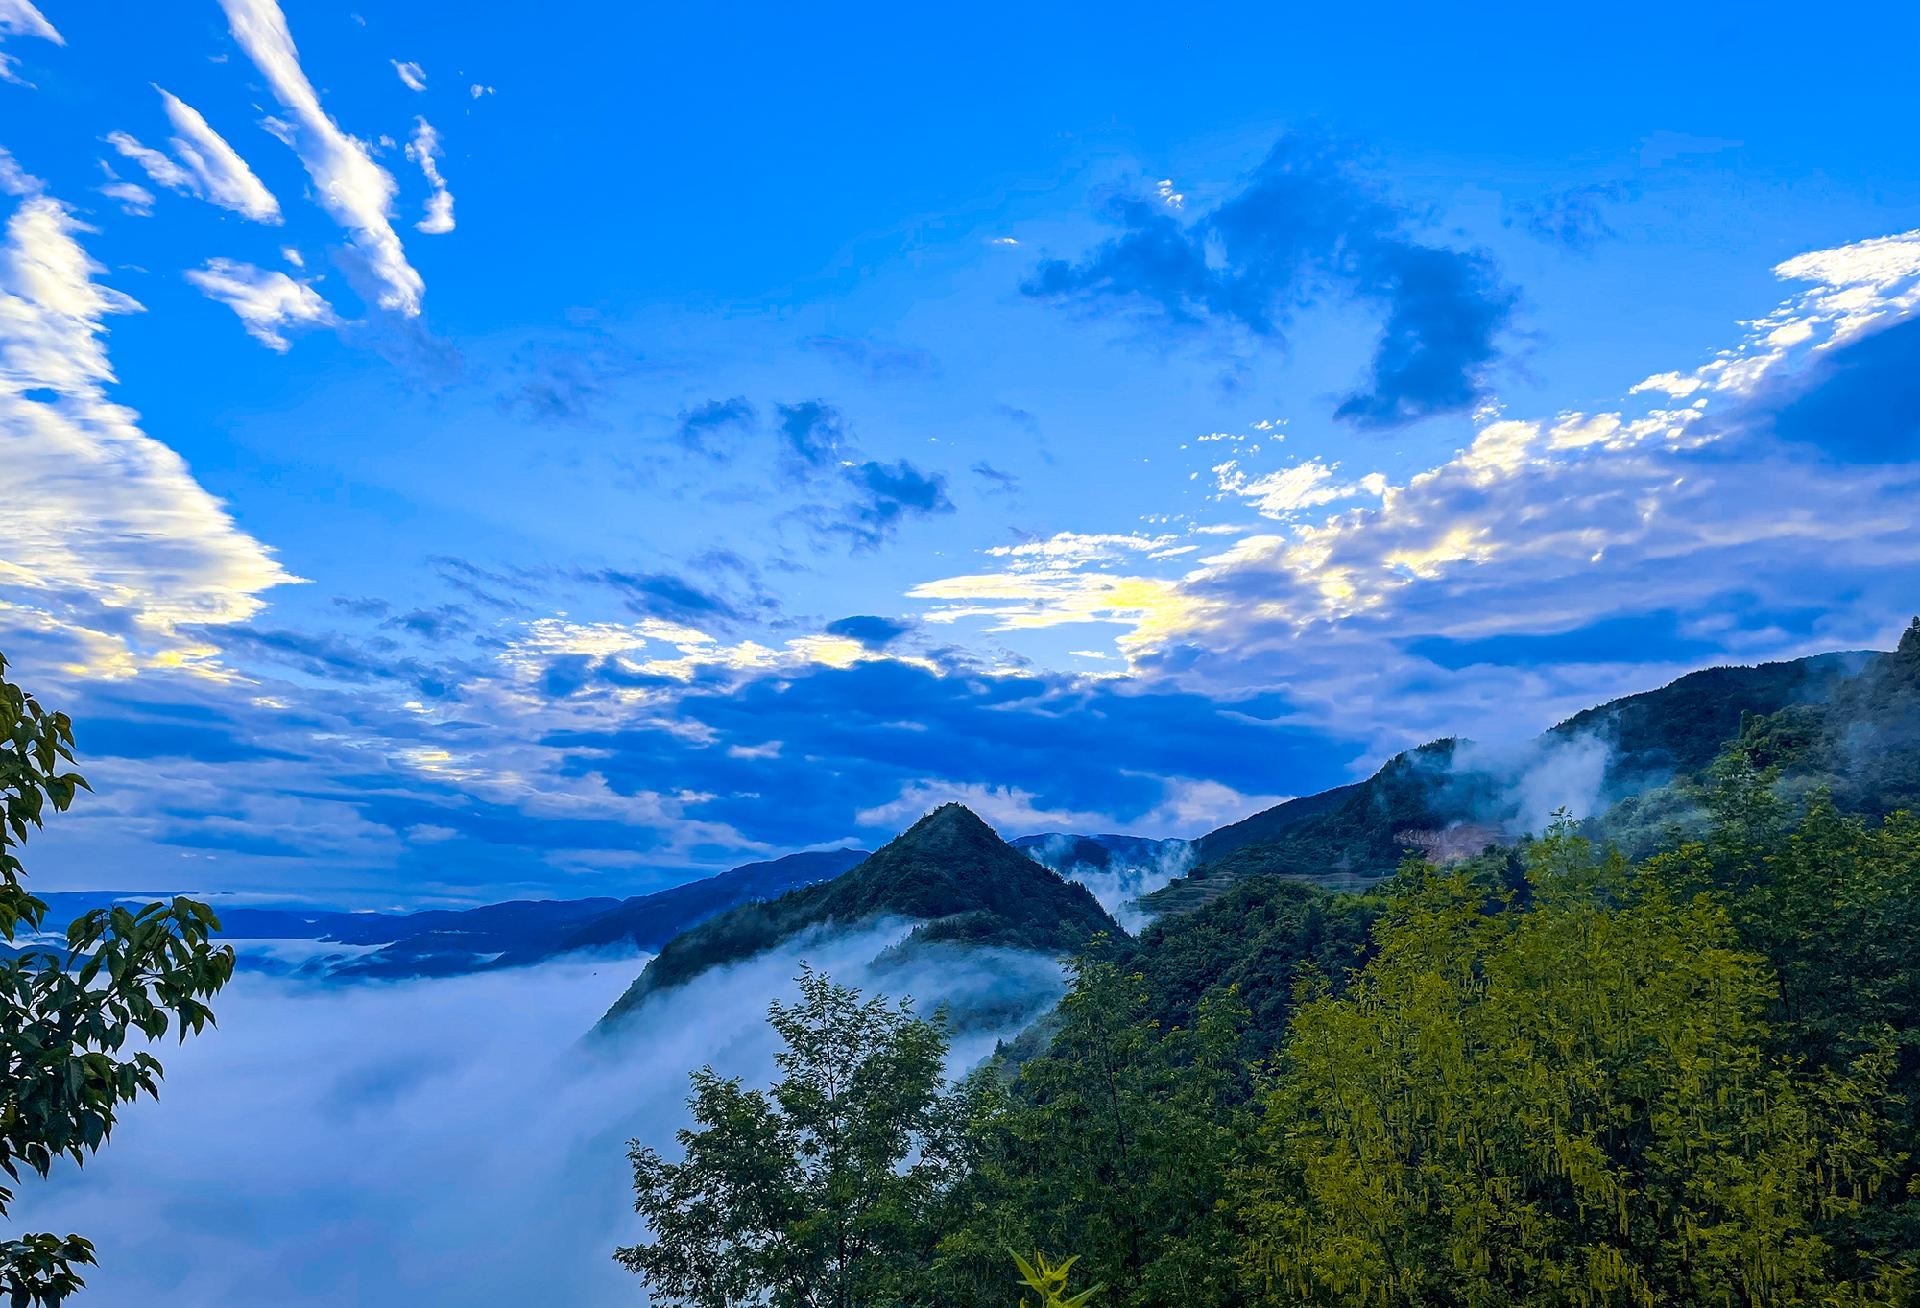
x: 1445, y: 799
x: 949, y: 872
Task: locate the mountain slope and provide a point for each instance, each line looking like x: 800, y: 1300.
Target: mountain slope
x: 949, y: 872
x: 1430, y: 800
x: 1066, y: 853
x: 646, y: 922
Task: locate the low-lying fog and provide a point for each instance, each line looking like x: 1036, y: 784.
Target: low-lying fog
x: 437, y: 1142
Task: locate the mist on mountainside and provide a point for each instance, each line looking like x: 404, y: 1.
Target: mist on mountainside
x: 1120, y: 875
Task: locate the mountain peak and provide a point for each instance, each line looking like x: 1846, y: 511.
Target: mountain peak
x: 949, y: 872
x: 950, y: 823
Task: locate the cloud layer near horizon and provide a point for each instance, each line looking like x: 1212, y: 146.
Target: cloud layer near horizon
x: 434, y: 1144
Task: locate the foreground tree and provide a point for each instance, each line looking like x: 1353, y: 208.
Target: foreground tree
x: 1573, y: 1103
x: 1115, y: 1146
x: 820, y: 1192
x: 1050, y: 1280
x: 67, y: 1012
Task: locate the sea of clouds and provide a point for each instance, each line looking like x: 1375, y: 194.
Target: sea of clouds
x: 435, y: 1142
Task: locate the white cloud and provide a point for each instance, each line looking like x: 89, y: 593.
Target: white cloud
x: 265, y: 301
x: 207, y: 167
x: 354, y: 190
x: 15, y: 180
x: 220, y: 174
x: 1007, y: 809
x: 424, y: 150
x: 1281, y: 494
x: 134, y: 199
x: 410, y: 73
x: 20, y: 18
x: 164, y: 171
x: 1671, y: 383
x: 1068, y: 547
x: 109, y: 549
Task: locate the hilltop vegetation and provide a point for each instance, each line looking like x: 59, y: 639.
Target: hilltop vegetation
x: 949, y: 873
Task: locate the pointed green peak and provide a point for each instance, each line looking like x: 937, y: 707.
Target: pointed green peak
x: 948, y: 827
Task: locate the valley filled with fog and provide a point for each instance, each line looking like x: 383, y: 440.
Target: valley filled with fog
x: 433, y: 1142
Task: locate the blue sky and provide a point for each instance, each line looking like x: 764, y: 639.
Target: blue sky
x: 459, y: 452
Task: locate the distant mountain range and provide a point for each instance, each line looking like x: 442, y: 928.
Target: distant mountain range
x: 447, y: 942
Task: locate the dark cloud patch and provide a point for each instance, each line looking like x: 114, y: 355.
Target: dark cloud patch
x: 332, y: 658
x: 567, y: 675
x: 706, y: 426
x: 569, y: 385
x: 315, y: 654
x: 1860, y: 403
x: 722, y: 559
x: 363, y: 607
x: 1628, y: 638
x: 1304, y: 227
x: 873, y: 632
x: 812, y: 432
x: 995, y: 480
x: 1442, y: 317
x: 1574, y: 219
x: 873, y: 359
x: 664, y: 595
x: 145, y: 738
x: 435, y: 624
x: 887, y: 494
x: 260, y: 844
x: 494, y: 588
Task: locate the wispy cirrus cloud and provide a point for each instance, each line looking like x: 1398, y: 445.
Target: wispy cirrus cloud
x: 204, y: 165
x: 411, y: 74
x: 15, y: 180
x: 110, y: 551
x: 134, y: 199
x: 266, y: 302
x: 225, y: 177
x: 357, y: 192
x: 20, y: 18
x: 705, y: 426
x: 424, y: 149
